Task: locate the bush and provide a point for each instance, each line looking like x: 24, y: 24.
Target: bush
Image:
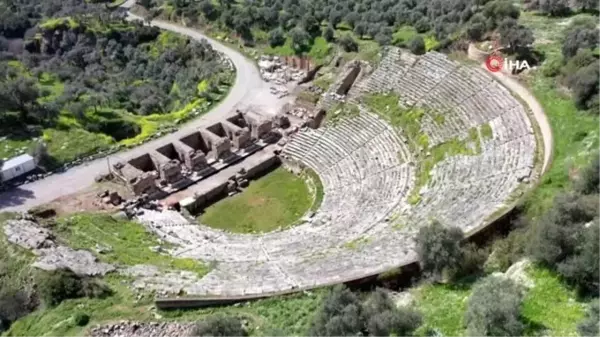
x: 329, y: 34
x: 81, y: 319
x: 342, y: 314
x: 589, y: 326
x: 276, y: 37
x: 417, y: 46
x: 57, y: 286
x: 589, y: 179
x: 472, y: 261
x: 552, y: 67
x: 439, y: 249
x: 348, y: 43
x: 14, y: 305
x: 219, y: 325
x: 493, y: 309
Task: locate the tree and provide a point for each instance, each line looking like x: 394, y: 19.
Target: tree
x: 342, y: 314
x: 348, y: 43
x: 493, y: 309
x: 517, y: 37
x: 19, y: 94
x: 384, y: 37
x: 339, y: 315
x: 310, y: 24
x: 352, y: 18
x: 300, y: 39
x: 58, y: 286
x: 475, y: 31
x: 360, y: 29
x: 219, y: 325
x: 383, y: 318
x: 555, y: 7
x: 209, y: 10
x: 417, y: 45
x: 588, y: 5
x: 585, y: 86
x: 438, y: 248
x: 276, y: 37
x: 329, y: 34
x: 589, y: 326
x: 582, y: 268
x: 577, y: 39
x: 422, y: 25
x: 589, y: 179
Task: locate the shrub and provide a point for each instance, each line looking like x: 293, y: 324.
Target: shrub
x: 329, y: 34
x: 472, y: 261
x: 589, y: 326
x: 589, y: 179
x: 81, y: 319
x: 417, y: 45
x: 276, y: 37
x: 57, y: 286
x: 348, y: 43
x: 342, y: 314
x: 438, y: 248
x: 219, y: 325
x: 493, y: 309
x: 14, y: 305
x: 552, y: 67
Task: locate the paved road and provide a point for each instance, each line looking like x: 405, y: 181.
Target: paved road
x: 248, y: 89
x: 538, y: 113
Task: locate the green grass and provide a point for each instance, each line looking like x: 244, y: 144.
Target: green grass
x: 356, y: 243
x: 129, y: 241
x: 276, y: 200
x: 549, y: 308
x: 343, y: 110
x: 403, y: 35
x: 67, y: 145
x: 320, y: 50
x: 288, y: 314
x: 442, y: 307
x: 486, y: 131
x: 54, y: 23
x: 316, y: 187
x: 551, y: 305
x: 324, y: 81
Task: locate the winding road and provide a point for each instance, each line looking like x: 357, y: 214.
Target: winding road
x: 248, y: 89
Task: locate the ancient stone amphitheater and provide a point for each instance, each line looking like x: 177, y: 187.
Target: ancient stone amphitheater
x: 366, y: 224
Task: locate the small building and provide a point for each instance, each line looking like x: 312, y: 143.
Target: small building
x: 17, y: 166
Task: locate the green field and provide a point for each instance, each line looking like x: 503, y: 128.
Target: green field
x: 274, y: 201
x: 549, y: 308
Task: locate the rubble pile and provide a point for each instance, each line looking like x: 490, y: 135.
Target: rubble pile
x: 142, y: 329
x: 273, y: 69
x: 52, y: 256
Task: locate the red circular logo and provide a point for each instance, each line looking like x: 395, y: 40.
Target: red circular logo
x: 494, y: 63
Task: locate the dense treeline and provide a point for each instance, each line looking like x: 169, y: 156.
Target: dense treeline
x: 80, y: 59
x: 376, y: 19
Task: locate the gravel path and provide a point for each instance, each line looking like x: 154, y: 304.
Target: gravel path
x: 248, y: 89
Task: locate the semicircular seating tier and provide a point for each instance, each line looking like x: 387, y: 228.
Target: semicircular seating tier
x: 368, y: 169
